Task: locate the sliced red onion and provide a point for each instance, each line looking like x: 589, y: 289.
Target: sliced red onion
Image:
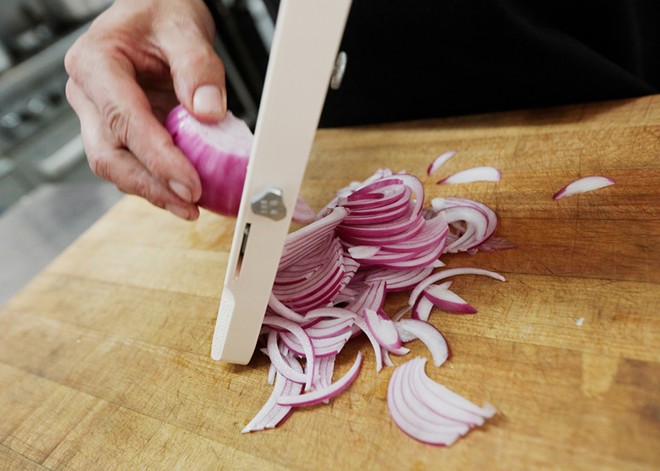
x: 429, y: 335
x: 422, y: 308
x: 441, y: 392
x: 372, y: 239
x: 426, y: 413
x: 439, y: 161
x: 301, y: 337
x: 448, y: 300
x: 363, y: 251
x: 281, y: 365
x: 474, y: 174
x: 303, y: 213
x: 378, y: 350
x: 446, y: 274
x: 321, y: 395
x: 272, y: 413
x: 480, y: 222
x: 384, y: 331
x: 583, y: 185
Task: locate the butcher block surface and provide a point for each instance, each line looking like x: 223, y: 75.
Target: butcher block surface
x: 105, y: 355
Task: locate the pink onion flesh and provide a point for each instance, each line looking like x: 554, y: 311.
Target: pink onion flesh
x: 583, y: 185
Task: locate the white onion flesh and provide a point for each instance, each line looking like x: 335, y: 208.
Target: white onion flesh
x: 582, y: 185
x: 474, y: 174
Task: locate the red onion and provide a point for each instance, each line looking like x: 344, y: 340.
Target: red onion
x: 583, y: 185
x: 220, y: 153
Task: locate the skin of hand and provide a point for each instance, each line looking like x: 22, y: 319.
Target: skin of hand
x: 137, y: 60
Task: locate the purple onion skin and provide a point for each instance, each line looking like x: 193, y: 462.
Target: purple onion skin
x: 222, y: 174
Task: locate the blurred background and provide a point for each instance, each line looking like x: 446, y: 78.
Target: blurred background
x: 48, y: 195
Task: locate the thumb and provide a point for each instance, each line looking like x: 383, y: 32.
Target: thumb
x: 198, y: 75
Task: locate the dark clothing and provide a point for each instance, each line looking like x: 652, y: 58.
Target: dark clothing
x: 412, y: 59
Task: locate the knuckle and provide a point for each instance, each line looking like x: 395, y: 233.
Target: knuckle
x: 99, y: 165
x: 119, y: 122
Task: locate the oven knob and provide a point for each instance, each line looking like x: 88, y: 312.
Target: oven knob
x: 37, y: 106
x: 10, y: 122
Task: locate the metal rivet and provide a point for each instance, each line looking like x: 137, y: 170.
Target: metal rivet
x: 269, y: 203
x: 339, y: 70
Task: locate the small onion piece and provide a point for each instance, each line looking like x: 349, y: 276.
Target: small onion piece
x: 474, y: 174
x: 439, y: 161
x: 429, y: 335
x: 447, y: 300
x: 321, y: 395
x: 583, y: 185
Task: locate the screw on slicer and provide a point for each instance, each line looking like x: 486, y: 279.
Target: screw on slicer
x: 269, y: 203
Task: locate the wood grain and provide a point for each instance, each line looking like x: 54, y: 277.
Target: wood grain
x: 104, y: 356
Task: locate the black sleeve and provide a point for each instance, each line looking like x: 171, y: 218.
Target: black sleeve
x: 430, y: 58
x: 414, y: 59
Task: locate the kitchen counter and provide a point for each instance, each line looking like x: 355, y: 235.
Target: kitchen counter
x: 104, y: 356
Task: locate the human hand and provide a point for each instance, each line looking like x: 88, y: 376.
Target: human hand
x: 135, y: 63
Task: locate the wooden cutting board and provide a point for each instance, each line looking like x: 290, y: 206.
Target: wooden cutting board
x: 104, y: 356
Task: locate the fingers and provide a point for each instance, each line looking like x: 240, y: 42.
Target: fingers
x: 197, y: 72
x: 109, y: 159
x: 126, y: 111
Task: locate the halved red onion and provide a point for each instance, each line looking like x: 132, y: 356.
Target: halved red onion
x: 321, y: 395
x: 583, y: 185
x: 302, y: 338
x: 474, y: 174
x: 219, y: 152
x: 439, y: 161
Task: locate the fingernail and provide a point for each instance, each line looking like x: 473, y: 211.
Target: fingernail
x: 208, y: 101
x: 178, y: 211
x: 181, y: 190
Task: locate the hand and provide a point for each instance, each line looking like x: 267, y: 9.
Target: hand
x: 136, y: 61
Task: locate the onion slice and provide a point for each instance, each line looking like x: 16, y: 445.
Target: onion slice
x: 439, y: 161
x: 429, y: 335
x: 583, y: 185
x: 426, y: 410
x: 474, y: 174
x: 321, y: 395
